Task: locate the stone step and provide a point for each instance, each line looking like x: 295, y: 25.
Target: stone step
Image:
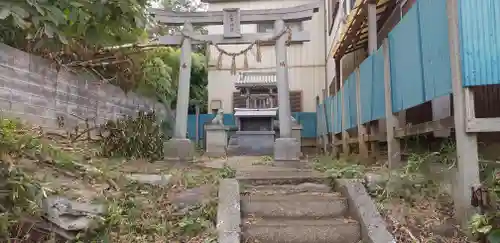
x: 280, y: 175
x: 287, y: 189
x: 308, y: 204
x: 301, y: 231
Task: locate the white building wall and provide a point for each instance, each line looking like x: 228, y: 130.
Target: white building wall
x: 306, y: 61
x: 350, y: 61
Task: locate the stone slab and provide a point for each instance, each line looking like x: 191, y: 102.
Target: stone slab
x: 280, y: 177
x: 338, y: 230
x: 288, y: 189
x: 228, y: 212
x: 70, y: 215
x: 317, y: 205
x: 373, y: 226
x: 179, y: 150
x: 150, y: 179
x: 287, y: 149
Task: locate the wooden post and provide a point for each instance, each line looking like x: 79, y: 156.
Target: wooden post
x: 325, y: 122
x: 393, y: 143
x: 372, y: 27
x: 335, y: 151
x: 372, y: 47
x: 441, y: 108
x: 467, y: 155
x: 345, y: 134
x: 363, y: 147
x: 181, y: 111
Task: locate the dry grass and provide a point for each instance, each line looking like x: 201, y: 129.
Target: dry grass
x: 416, y: 207
x: 136, y: 213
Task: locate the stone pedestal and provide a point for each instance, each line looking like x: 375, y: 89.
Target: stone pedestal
x: 216, y: 140
x: 287, y: 149
x: 254, y: 143
x: 297, y: 133
x: 178, y: 149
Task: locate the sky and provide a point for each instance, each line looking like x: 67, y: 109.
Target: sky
x: 157, y: 3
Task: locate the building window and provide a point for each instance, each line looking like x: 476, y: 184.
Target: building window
x: 333, y: 8
x: 269, y: 27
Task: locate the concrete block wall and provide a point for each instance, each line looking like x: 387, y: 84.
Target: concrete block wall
x: 33, y: 90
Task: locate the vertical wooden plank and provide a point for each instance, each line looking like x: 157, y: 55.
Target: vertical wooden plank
x: 391, y: 121
x: 375, y: 145
x: 372, y: 47
x: 467, y: 155
x: 363, y: 146
x: 441, y: 108
x: 336, y: 89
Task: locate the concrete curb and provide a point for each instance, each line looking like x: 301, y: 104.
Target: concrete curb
x: 361, y: 206
x: 228, y: 212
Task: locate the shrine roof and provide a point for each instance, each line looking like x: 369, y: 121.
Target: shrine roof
x: 250, y: 79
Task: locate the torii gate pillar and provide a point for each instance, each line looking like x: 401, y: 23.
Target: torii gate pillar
x: 180, y: 148
x: 286, y: 148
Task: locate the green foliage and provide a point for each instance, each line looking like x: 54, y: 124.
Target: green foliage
x: 488, y: 224
x: 341, y: 168
x: 100, y: 37
x: 51, y: 23
x: 20, y: 197
x: 227, y: 172
x: 494, y: 236
x: 139, y: 137
x: 160, y: 78
x: 19, y: 193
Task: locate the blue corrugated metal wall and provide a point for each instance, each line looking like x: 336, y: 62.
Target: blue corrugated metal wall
x: 371, y: 73
x: 407, y: 85
x: 329, y: 112
x: 321, y: 120
x: 308, y: 122
x: 435, y: 48
x: 337, y: 115
x: 366, y: 86
x: 353, y: 101
x: 204, y: 118
x: 378, y: 91
x: 419, y: 53
x: 306, y: 119
x: 480, y: 41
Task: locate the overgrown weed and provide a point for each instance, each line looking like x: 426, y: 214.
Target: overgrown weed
x: 412, y: 198
x: 136, y: 213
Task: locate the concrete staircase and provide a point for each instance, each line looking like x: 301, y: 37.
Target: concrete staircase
x: 294, y: 209
x: 291, y: 205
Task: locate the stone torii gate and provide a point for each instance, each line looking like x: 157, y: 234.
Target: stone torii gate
x: 286, y: 148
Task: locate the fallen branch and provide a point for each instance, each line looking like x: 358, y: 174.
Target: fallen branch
x: 403, y: 228
x: 113, y: 184
x: 56, y: 134
x: 86, y: 131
